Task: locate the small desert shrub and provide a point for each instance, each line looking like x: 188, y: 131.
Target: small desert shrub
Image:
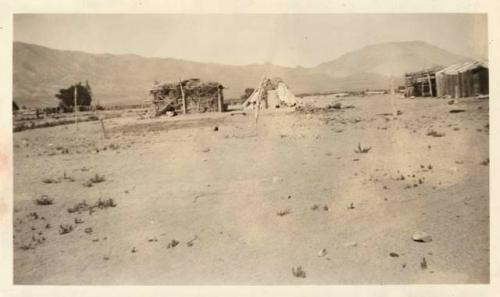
x: 88, y: 184
x: 79, y: 207
x: 282, y: 213
x: 362, y: 150
x: 298, y: 272
x: 83, y: 206
x: 335, y: 106
x: 423, y: 264
x: 97, y: 179
x: 50, y: 181
x: 67, y: 177
x: 435, y: 133
x: 33, y: 215
x: 65, y: 229
x: 26, y: 247
x: 485, y: 162
x: 105, y: 204
x: 44, y: 200
x: 172, y: 244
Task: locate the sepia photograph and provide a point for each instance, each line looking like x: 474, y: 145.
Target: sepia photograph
x: 250, y: 149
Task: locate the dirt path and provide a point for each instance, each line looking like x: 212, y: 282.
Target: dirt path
x: 218, y: 194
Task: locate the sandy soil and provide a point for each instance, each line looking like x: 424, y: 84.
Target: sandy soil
x: 218, y: 194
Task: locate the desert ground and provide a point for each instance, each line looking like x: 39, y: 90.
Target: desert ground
x: 216, y: 199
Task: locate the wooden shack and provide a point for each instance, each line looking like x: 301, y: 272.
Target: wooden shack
x: 187, y: 96
x: 463, y: 80
x: 421, y: 83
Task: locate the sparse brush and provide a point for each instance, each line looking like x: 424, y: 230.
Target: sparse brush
x: 423, y: 264
x: 173, y: 243
x: 282, y: 213
x: 435, y: 133
x: 44, y: 200
x: 79, y: 207
x: 335, y: 106
x: 88, y: 184
x: 33, y: 215
x: 65, y: 229
x: 97, y: 179
x: 83, y: 206
x: 298, y: 272
x: 26, y: 247
x: 485, y: 162
x: 315, y: 207
x: 50, y: 181
x: 105, y: 204
x: 67, y: 177
x: 362, y: 150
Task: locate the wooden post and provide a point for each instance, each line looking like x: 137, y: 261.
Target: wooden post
x: 430, y: 84
x: 184, y: 107
x: 394, y: 111
x: 98, y: 114
x: 101, y: 119
x: 219, y: 98
x: 76, y: 106
x: 259, y: 97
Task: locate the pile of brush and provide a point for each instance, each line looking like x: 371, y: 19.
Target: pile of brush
x: 192, y: 87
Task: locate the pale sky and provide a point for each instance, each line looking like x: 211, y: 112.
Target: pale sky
x: 288, y: 40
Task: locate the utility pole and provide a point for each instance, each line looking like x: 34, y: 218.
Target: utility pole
x: 393, y: 94
x: 76, y: 107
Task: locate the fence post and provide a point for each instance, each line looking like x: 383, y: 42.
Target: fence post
x: 184, y: 107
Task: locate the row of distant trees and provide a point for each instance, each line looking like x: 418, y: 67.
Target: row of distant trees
x: 84, y: 96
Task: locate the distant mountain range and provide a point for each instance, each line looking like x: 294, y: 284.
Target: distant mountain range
x: 39, y: 72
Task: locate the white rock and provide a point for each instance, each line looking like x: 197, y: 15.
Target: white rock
x: 421, y: 237
x: 351, y: 244
x: 322, y: 253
